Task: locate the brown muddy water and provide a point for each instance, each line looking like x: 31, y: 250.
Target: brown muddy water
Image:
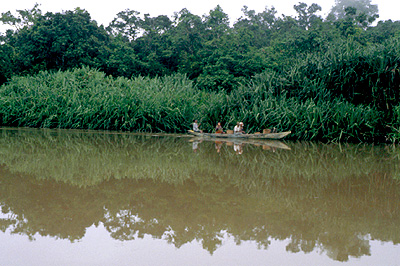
x: 105, y: 198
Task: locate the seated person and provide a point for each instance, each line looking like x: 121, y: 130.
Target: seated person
x: 219, y: 129
x: 236, y: 129
x: 241, y: 125
x: 196, y: 127
x: 239, y: 128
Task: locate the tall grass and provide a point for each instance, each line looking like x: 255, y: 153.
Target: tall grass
x: 361, y: 75
x: 88, y: 99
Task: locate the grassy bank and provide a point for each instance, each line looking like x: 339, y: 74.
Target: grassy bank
x: 88, y: 99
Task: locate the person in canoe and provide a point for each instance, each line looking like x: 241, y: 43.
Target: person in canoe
x: 219, y: 129
x: 238, y: 129
x: 196, y: 126
x: 241, y: 128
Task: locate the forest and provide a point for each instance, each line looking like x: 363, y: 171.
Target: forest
x: 333, y: 78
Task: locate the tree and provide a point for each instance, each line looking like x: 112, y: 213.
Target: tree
x: 187, y: 37
x: 366, y: 11
x: 123, y: 60
x: 127, y: 23
x: 383, y: 31
x: 256, y: 29
x: 353, y: 23
x: 306, y: 14
x: 8, y: 53
x: 25, y: 17
x: 60, y: 41
x: 7, y: 57
x: 154, y: 46
x: 217, y: 23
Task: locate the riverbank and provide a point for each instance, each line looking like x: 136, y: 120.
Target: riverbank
x: 88, y: 99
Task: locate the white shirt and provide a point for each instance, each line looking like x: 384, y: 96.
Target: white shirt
x: 195, y: 127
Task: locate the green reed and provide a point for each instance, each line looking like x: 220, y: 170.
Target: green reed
x: 88, y: 99
x: 360, y: 74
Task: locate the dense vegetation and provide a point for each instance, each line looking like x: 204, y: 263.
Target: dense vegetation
x: 334, y: 78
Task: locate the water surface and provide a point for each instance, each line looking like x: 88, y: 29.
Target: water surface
x: 106, y: 198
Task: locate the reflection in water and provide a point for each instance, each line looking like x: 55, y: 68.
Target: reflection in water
x: 238, y: 144
x: 238, y: 148
x: 195, y: 144
x: 329, y: 198
x: 218, y: 146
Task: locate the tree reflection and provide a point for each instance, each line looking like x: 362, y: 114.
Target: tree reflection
x: 184, y: 213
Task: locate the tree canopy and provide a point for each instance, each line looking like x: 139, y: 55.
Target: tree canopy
x: 362, y: 6
x: 209, y: 49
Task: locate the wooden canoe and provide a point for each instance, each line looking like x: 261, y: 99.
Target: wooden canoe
x: 279, y: 135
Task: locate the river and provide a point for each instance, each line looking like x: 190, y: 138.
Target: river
x: 70, y: 197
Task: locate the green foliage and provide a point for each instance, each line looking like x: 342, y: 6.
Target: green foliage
x: 206, y: 49
x: 24, y: 19
x: 7, y: 55
x: 88, y: 99
x: 157, y: 74
x: 362, y: 10
x: 306, y: 15
x: 59, y: 41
